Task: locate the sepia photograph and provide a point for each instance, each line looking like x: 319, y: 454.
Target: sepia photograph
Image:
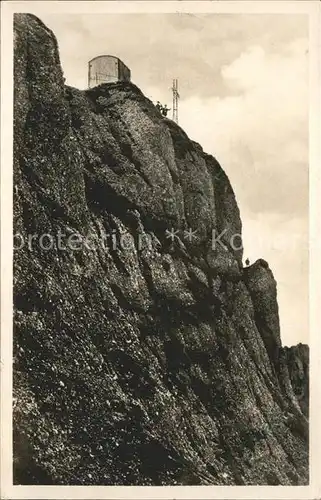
x: 158, y: 223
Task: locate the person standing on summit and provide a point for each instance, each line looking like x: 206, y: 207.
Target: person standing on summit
x: 165, y: 110
x: 162, y: 109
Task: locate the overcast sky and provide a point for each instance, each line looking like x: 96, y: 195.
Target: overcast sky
x: 243, y: 81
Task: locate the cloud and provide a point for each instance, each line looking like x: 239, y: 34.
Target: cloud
x: 159, y: 47
x: 260, y: 132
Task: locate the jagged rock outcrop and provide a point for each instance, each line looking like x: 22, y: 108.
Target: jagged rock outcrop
x: 297, y: 360
x: 138, y: 358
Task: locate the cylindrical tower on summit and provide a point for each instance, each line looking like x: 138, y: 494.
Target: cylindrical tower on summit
x: 106, y: 69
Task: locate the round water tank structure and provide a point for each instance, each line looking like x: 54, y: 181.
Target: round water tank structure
x: 106, y: 69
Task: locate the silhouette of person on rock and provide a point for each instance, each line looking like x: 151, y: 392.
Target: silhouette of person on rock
x: 165, y: 110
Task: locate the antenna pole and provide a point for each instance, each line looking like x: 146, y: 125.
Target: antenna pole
x: 175, y: 100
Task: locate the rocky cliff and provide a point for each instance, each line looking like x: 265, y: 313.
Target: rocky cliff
x: 144, y: 353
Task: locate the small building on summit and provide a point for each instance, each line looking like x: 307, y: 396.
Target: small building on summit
x: 107, y: 69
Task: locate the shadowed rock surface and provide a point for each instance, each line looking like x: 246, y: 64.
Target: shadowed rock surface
x: 137, y: 359
x: 297, y: 359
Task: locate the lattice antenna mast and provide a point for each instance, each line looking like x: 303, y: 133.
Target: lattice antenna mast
x: 175, y: 99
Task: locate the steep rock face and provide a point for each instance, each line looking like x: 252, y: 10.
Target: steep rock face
x: 262, y: 287
x: 297, y: 360
x: 143, y: 352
